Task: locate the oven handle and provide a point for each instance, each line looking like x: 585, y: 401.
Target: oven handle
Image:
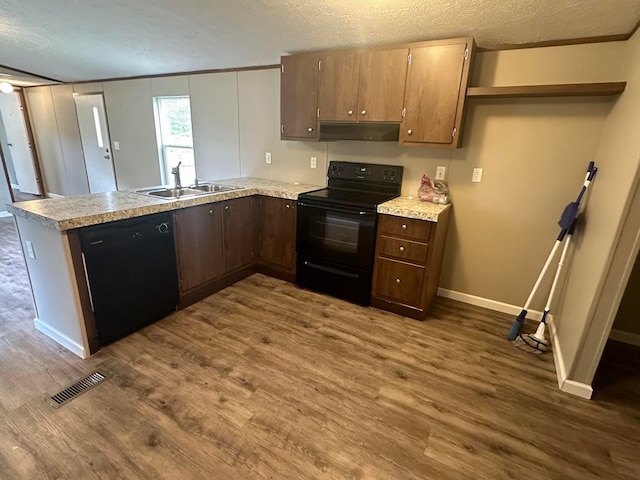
x: 330, y: 270
x: 339, y: 210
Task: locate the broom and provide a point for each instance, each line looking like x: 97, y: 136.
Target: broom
x: 567, y: 222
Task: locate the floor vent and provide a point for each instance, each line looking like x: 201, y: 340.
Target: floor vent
x: 78, y: 388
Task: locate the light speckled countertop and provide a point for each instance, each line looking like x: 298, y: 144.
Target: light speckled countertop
x: 78, y: 211
x: 411, y: 207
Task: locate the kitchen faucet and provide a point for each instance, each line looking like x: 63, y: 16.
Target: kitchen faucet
x: 175, y: 171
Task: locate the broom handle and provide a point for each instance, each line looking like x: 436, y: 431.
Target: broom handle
x: 542, y: 273
x: 547, y: 308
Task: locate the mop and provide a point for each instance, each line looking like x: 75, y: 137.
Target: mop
x: 537, y: 342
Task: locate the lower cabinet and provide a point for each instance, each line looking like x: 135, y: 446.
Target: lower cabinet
x: 277, y: 241
x: 239, y: 233
x: 407, y: 266
x: 198, y: 242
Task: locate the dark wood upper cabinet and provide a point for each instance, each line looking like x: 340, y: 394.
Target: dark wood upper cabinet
x: 338, y: 87
x: 277, y: 220
x: 199, y: 251
x: 299, y: 97
x: 434, y: 95
x: 381, y: 88
x: 238, y: 221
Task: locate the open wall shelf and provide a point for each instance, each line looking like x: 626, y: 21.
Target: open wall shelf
x: 558, y: 90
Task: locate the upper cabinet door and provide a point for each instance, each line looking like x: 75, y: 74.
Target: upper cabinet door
x: 434, y: 94
x: 299, y: 97
x: 382, y: 79
x: 338, y: 87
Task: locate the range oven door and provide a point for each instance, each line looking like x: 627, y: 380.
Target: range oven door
x: 340, y: 235
x: 335, y: 248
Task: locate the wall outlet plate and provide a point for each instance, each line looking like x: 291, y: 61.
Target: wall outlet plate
x: 314, y: 162
x: 441, y: 172
x: 267, y: 158
x: 30, y: 251
x: 477, y: 175
x: 116, y: 145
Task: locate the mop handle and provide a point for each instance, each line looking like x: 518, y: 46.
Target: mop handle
x: 542, y: 274
x: 556, y: 278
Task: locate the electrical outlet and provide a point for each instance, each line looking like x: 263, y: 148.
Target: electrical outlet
x: 116, y: 145
x: 477, y: 175
x: 30, y: 251
x: 441, y: 172
x: 267, y: 158
x: 314, y: 162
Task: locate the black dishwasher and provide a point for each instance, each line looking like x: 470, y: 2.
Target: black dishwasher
x: 132, y: 275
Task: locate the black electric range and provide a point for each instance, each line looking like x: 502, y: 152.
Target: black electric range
x: 336, y: 229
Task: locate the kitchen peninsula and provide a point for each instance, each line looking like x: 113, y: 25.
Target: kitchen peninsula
x: 255, y: 232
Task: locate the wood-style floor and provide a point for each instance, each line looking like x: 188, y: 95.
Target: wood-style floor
x: 267, y: 381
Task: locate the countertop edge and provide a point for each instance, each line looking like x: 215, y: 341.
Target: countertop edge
x: 416, y: 213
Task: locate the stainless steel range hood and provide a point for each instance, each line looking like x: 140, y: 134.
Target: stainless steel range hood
x: 371, y: 132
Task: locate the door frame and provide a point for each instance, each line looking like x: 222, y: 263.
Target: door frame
x: 106, y: 119
x: 6, y: 175
x: 32, y: 144
x: 622, y: 260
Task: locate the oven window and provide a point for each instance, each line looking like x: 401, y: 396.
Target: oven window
x: 336, y: 233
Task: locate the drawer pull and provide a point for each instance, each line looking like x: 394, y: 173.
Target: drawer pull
x: 397, y: 280
x: 401, y: 248
x: 404, y: 226
x: 211, y: 212
x: 288, y: 206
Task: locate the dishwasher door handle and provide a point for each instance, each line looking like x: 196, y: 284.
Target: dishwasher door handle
x: 335, y: 271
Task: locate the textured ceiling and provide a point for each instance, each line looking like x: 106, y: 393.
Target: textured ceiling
x: 81, y: 40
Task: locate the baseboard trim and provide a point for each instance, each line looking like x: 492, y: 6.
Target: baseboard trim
x: 578, y: 389
x: 54, y: 195
x: 487, y: 303
x: 572, y: 387
x: 59, y: 337
x: 625, y: 337
x: 5, y: 214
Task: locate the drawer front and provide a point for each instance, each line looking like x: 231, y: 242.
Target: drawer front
x: 398, y: 281
x: 404, y: 227
x: 406, y: 250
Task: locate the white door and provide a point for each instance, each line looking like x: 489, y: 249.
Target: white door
x: 18, y: 143
x: 96, y: 144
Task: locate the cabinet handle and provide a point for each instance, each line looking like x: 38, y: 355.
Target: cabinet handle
x: 404, y: 225
x: 364, y: 112
x: 310, y: 129
x: 288, y: 206
x: 401, y: 248
x: 210, y: 212
x: 226, y: 207
x: 350, y: 112
x: 409, y: 132
x: 397, y: 280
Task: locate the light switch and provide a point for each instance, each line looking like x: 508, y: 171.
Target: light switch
x: 314, y: 162
x: 30, y: 251
x: 477, y: 175
x: 116, y: 145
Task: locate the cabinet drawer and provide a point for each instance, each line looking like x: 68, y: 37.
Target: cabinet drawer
x: 398, y: 281
x: 404, y: 227
x: 407, y: 250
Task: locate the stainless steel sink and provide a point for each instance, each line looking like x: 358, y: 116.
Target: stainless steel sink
x: 213, y: 188
x: 174, y: 193
x: 186, y: 192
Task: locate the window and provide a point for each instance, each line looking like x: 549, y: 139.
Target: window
x: 175, y: 140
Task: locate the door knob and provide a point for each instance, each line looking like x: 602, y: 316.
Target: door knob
x: 409, y: 132
x: 310, y: 129
x: 364, y: 112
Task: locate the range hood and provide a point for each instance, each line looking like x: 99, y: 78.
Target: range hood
x: 372, y: 132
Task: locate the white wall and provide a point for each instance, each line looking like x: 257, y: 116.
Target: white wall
x: 131, y: 123
x: 618, y: 159
x: 75, y: 181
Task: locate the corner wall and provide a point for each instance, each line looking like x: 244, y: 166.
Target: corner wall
x: 583, y: 320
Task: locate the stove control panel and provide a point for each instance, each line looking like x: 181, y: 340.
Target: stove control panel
x: 365, y: 172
